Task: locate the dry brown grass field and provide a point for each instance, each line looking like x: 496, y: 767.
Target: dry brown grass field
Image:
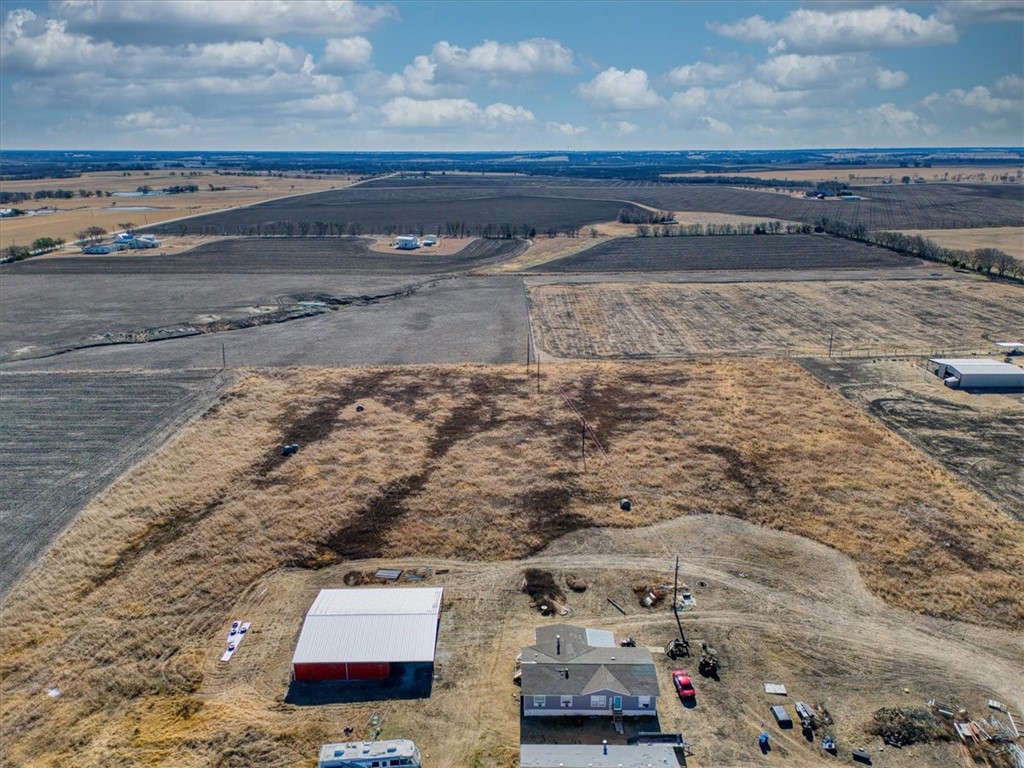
x: 78, y: 213
x: 621, y: 320
x: 859, y: 176
x: 1007, y: 239
x: 127, y: 611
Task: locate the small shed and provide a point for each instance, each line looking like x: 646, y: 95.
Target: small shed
x: 407, y: 242
x: 367, y: 634
x: 978, y: 373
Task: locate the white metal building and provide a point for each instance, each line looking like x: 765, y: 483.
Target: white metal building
x: 978, y: 373
x: 407, y: 242
x: 358, y: 634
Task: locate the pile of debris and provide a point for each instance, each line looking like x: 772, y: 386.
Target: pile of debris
x: 993, y: 740
x: 901, y: 727
x: 651, y: 595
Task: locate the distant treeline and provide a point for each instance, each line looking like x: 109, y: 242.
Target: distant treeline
x: 502, y: 230
x: 643, y: 216
x: 741, y: 181
x: 987, y: 261
x: 713, y: 229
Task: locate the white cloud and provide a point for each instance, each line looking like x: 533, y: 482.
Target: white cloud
x: 751, y: 93
x: 980, y: 97
x: 241, y: 56
x: 690, y: 100
x: 403, y: 112
x: 38, y: 46
x: 614, y: 89
x: 854, y: 29
x: 169, y: 21
x: 977, y: 12
x: 703, y: 73
x: 793, y: 71
x: 890, y: 80
x: 162, y: 122
x: 416, y: 79
x: 1010, y: 85
x: 566, y: 129
x: 506, y: 113
x: 341, y: 103
x: 526, y: 57
x: 347, y: 54
x: 716, y: 126
x: 625, y: 128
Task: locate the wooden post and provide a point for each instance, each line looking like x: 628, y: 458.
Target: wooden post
x: 223, y: 357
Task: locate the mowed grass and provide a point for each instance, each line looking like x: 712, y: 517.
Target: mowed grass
x: 458, y: 462
x: 869, y: 317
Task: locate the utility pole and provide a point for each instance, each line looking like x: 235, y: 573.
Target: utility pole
x: 223, y: 356
x: 583, y: 445
x: 675, y: 610
x: 831, y: 336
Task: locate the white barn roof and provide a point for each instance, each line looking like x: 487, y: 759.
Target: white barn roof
x: 370, y: 625
x: 975, y: 365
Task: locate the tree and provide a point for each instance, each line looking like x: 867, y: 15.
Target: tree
x: 90, y: 235
x: 984, y: 259
x: 44, y: 244
x: 905, y: 179
x: 127, y: 226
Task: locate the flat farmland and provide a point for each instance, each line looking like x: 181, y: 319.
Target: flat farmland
x: 979, y: 437
x: 277, y: 255
x: 802, y: 573
x: 65, y: 437
x: 890, y: 206
x: 1007, y: 239
x: 64, y: 217
x: 444, y: 319
x: 874, y: 175
x: 43, y: 314
x: 405, y: 210
x: 742, y: 252
x: 623, y: 320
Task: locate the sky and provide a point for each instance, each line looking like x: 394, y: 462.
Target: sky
x: 512, y: 75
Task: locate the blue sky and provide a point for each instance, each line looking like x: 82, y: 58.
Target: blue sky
x: 330, y: 75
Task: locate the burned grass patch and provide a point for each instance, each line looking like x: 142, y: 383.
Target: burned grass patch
x: 542, y: 589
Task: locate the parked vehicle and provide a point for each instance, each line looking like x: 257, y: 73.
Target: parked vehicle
x: 683, y: 684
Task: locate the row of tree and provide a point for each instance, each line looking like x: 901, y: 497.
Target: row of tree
x: 713, y: 229
x: 502, y: 230
x: 39, y: 246
x: 644, y: 216
x: 988, y: 261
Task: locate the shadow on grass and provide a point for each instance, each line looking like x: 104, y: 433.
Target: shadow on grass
x: 400, y: 685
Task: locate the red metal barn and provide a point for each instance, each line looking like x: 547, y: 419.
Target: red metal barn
x: 367, y: 634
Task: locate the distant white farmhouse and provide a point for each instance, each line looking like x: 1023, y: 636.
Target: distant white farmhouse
x: 978, y: 374
x: 407, y: 242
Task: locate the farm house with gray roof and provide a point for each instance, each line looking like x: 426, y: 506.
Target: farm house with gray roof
x: 579, y: 671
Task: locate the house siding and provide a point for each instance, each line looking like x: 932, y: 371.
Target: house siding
x: 581, y: 706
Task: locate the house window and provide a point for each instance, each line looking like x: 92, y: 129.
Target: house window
x: 599, y: 702
x: 645, y: 702
x: 566, y: 702
x: 538, y: 701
